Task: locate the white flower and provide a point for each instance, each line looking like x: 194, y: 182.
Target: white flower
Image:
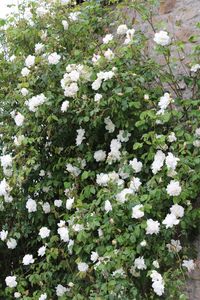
x: 34, y: 102
x: 24, y: 92
x: 139, y: 263
x: 189, y: 264
x: 31, y: 205
x: 174, y: 246
x: 164, y: 103
x: 46, y: 207
x: 137, y: 211
x: 69, y: 203
x: 170, y: 221
x: 123, y: 136
x: 96, y: 84
x: 196, y: 143
x: 54, y: 58
x: 77, y: 227
x: 162, y: 38
x: 44, y: 232
x: 3, y: 235
x: 102, y: 179
x: 174, y: 188
x: 4, y: 188
x: 143, y: 243
x: 95, y: 58
x: 42, y: 173
x: 41, y: 251
x: 158, y: 287
x: 94, y: 256
x: 122, y: 196
x: 6, y: 161
x: 18, y: 140
x: 80, y: 136
x: 17, y: 295
x: 171, y: 161
x: 83, y: 267
x: 109, y: 125
x: 135, y: 184
x: 43, y: 297
x: 73, y: 16
x: 11, y: 281
x: 12, y: 58
x: 114, y: 153
x: 97, y: 97
x: 73, y: 170
x: 156, y: 264
x: 28, y: 259
x: 158, y: 162
x: 39, y: 47
x: 122, y: 29
x: 30, y: 61
x: 177, y: 210
x: 119, y: 272
x: 108, y: 206
x: 195, y: 68
x: 100, y: 232
x: 129, y: 35
x: 65, y: 24
x: 109, y: 55
x: 63, y: 231
x: 11, y: 243
x: 65, y: 1
x: 41, y: 11
x: 100, y: 155
x: 74, y: 75
x: 197, y: 132
x: 136, y: 165
x: 60, y: 290
x: 172, y: 138
x: 71, y: 90
x: 19, y: 119
x: 58, y: 203
x: 152, y: 227
x: 107, y: 38
x: 25, y: 72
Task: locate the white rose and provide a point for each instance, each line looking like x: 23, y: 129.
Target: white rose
x: 137, y: 211
x: 83, y: 267
x: 65, y: 24
x: 162, y: 38
x: 122, y: 29
x: 25, y: 71
x: 11, y: 281
x: 11, y: 243
x: 54, y: 58
x: 174, y: 188
x: 30, y: 61
x: 19, y: 119
x: 31, y: 205
x: 28, y: 259
x: 44, y: 232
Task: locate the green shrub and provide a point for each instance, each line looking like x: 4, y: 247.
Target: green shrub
x: 100, y: 156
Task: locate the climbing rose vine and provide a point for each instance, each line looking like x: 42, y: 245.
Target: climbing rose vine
x: 99, y: 155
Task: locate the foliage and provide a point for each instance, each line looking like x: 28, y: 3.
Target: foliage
x: 123, y: 102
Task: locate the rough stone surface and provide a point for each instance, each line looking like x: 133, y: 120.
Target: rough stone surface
x: 166, y: 6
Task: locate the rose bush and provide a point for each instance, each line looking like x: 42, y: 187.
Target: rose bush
x: 99, y: 158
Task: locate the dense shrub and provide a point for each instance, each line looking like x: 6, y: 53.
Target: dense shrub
x: 99, y: 157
